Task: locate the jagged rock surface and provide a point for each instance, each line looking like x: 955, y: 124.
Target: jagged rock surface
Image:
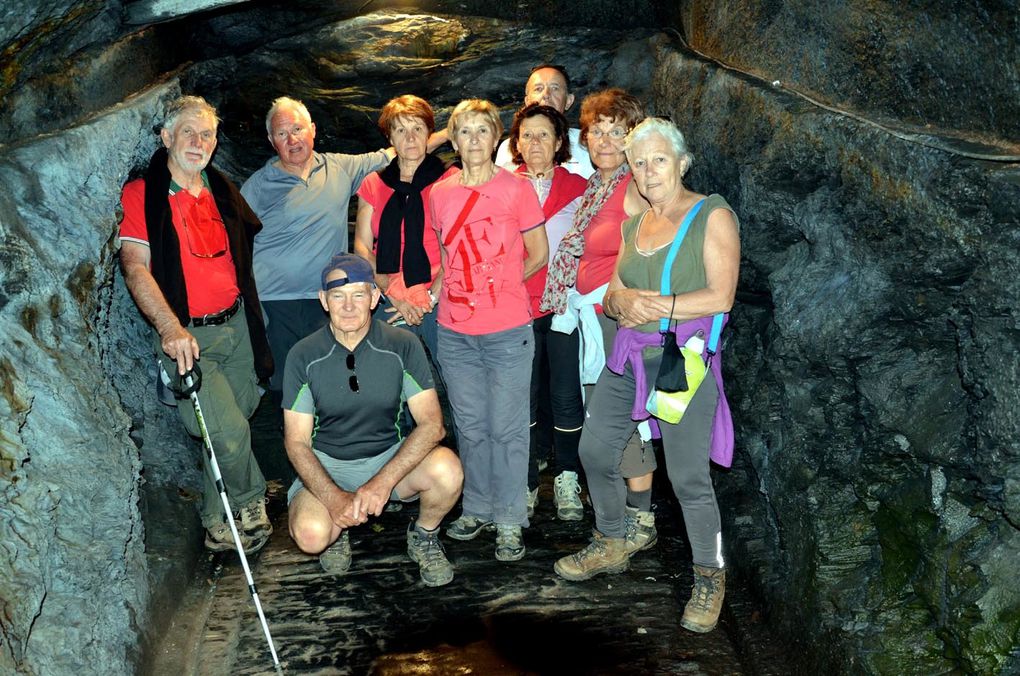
x: 73, y: 572
x: 873, y: 367
x: 872, y: 359
x: 951, y: 66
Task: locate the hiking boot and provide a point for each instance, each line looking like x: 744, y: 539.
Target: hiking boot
x: 602, y: 555
x: 509, y: 543
x: 641, y: 533
x: 702, y: 612
x: 532, y: 499
x: 426, y: 550
x: 254, y: 520
x: 467, y: 527
x: 336, y: 560
x: 566, y: 497
x: 220, y: 539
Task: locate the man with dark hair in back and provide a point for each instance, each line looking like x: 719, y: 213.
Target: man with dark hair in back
x: 549, y: 84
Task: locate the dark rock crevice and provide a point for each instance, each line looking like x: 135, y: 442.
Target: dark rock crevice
x: 876, y: 266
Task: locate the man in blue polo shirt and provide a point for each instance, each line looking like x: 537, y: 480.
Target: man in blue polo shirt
x: 301, y: 197
x: 343, y: 388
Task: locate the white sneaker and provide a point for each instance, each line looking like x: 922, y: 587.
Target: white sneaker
x: 566, y: 497
x: 532, y: 498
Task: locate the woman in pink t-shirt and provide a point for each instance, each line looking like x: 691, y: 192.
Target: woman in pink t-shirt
x: 492, y: 238
x: 394, y: 231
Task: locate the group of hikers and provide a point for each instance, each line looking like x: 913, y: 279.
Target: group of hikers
x: 560, y: 282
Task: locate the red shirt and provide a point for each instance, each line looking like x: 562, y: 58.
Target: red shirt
x: 211, y: 281
x: 602, y: 239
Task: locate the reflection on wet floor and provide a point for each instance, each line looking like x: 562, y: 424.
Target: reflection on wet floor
x: 494, y: 618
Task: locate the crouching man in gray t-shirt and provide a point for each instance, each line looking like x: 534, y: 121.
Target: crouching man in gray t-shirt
x: 343, y: 388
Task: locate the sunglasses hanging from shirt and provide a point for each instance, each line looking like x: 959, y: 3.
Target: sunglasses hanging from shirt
x: 352, y: 382
x: 206, y: 237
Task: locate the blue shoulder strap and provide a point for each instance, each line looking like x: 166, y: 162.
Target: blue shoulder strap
x: 713, y: 337
x: 671, y: 256
x: 717, y: 320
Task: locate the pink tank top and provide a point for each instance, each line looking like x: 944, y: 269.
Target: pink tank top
x: 602, y: 241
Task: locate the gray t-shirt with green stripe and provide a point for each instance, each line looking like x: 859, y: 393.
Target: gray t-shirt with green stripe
x: 390, y: 367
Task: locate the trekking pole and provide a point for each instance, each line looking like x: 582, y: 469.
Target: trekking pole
x: 193, y: 380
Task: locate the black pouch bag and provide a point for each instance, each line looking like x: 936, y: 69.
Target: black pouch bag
x: 672, y: 376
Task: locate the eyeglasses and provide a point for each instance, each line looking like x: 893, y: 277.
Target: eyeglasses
x: 204, y: 242
x: 353, y: 381
x: 615, y: 134
x: 296, y: 131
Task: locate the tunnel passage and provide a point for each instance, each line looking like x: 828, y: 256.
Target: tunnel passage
x: 872, y: 356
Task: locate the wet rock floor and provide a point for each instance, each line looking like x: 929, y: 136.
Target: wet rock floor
x: 494, y: 618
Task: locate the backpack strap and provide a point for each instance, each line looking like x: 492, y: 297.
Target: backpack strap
x: 713, y: 337
x: 671, y: 256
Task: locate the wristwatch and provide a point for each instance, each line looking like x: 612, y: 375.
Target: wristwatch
x: 432, y: 297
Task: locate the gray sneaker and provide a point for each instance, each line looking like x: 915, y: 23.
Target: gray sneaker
x: 467, y: 527
x: 336, y: 560
x: 567, y: 497
x: 641, y: 532
x: 220, y: 539
x: 509, y: 543
x: 254, y: 519
x: 426, y: 550
x: 532, y: 500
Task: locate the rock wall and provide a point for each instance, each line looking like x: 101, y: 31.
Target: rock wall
x: 952, y: 67
x: 73, y: 574
x: 871, y: 361
x: 873, y: 368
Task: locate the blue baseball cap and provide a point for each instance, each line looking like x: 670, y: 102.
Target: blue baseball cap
x: 355, y: 267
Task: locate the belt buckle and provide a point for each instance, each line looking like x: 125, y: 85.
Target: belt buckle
x: 217, y: 318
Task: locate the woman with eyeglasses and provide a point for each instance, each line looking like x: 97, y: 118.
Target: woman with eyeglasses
x: 492, y: 239
x: 675, y: 278
x: 584, y: 263
x: 393, y: 230
x: 539, y: 144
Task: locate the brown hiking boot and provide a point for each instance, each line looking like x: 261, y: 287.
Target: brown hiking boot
x: 602, y: 555
x: 254, y: 520
x: 702, y: 611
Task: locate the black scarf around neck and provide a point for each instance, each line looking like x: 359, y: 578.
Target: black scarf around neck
x: 406, y: 206
x: 242, y: 225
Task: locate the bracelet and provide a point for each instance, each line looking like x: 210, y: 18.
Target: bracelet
x: 432, y: 297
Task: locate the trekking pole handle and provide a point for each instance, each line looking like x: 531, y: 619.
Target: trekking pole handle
x: 191, y: 381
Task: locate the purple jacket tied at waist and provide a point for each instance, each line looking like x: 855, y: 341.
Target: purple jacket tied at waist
x: 628, y: 348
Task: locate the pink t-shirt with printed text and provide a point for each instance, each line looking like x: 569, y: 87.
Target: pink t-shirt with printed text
x: 483, y: 283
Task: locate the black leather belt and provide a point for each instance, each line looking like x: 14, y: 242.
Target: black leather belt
x: 218, y: 318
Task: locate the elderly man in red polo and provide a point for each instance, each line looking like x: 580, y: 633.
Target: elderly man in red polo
x: 186, y: 249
